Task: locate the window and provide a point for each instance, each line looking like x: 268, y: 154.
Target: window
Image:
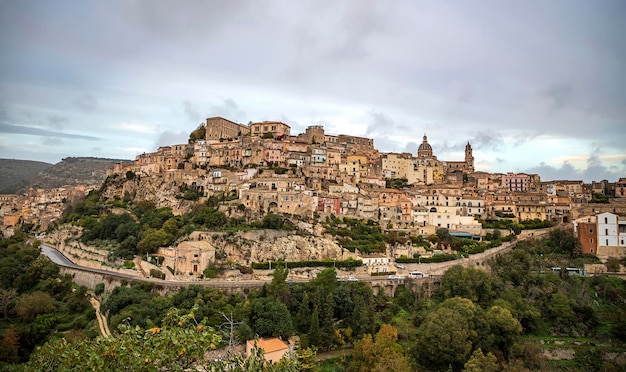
x: 591, y: 240
x: 606, y: 231
x: 607, y: 242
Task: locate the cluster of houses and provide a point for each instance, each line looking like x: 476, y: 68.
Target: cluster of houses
x: 39, y: 207
x: 269, y: 169
x: 315, y: 173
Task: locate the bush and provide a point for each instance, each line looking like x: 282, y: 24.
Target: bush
x: 157, y: 274
x: 433, y: 259
x: 349, y: 263
x: 99, y: 289
x: 129, y: 264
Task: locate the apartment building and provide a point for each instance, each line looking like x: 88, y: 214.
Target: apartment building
x: 605, y: 233
x: 515, y: 181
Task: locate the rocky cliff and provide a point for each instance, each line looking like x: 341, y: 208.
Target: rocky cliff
x: 153, y: 188
x: 272, y: 245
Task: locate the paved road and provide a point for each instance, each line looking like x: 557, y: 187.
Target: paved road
x: 61, y: 260
x: 57, y: 257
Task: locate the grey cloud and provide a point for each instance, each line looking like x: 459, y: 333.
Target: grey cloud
x: 359, y: 22
x: 86, y: 102
x: 4, y: 116
x: 56, y: 121
x: 229, y: 109
x: 380, y: 123
x: 523, y: 137
x: 169, y: 138
x: 548, y: 172
x: 52, y: 141
x: 411, y: 147
x: 486, y: 140
x: 559, y: 96
x: 296, y: 127
x: 595, y: 170
x: 18, y: 129
x: 500, y: 160
x: 386, y: 145
x: 480, y: 140
x: 465, y: 95
x: 189, y: 21
x: 191, y: 112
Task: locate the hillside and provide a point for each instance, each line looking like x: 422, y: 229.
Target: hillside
x: 73, y: 171
x: 14, y: 174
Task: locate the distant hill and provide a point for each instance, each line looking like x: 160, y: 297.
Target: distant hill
x: 14, y: 174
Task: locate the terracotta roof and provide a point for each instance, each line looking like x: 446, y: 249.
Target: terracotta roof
x: 269, y: 344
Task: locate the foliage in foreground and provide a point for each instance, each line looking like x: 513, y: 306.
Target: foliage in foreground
x: 179, y: 344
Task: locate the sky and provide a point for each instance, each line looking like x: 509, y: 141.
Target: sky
x: 535, y: 86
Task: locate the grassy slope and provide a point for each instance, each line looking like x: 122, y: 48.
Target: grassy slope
x: 14, y: 174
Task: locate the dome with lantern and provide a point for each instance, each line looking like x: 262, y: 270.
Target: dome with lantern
x: 425, y: 149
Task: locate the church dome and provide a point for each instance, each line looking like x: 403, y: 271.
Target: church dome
x: 425, y: 149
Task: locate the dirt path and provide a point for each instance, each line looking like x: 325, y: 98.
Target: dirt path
x: 333, y: 354
x: 102, y: 321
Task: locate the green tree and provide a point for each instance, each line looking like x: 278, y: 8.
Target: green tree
x: 448, y: 335
x: 443, y: 234
x: 505, y: 330
x: 381, y: 354
x: 470, y: 283
x: 9, y: 346
x: 270, y: 318
x: 307, y: 360
x: 480, y: 362
x: 278, y: 289
x: 563, y: 241
x: 7, y: 297
x: 272, y: 221
x: 32, y: 304
x: 612, y: 264
x: 151, y: 240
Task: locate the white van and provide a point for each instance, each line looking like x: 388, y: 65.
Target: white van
x: 416, y: 274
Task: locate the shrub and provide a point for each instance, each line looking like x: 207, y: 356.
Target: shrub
x: 99, y: 289
x: 349, y: 263
x: 157, y: 274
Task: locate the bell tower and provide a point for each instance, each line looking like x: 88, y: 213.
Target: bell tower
x: 469, y: 158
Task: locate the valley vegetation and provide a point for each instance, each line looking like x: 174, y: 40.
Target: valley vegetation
x: 476, y: 321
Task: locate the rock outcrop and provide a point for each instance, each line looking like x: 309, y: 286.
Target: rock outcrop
x: 154, y: 188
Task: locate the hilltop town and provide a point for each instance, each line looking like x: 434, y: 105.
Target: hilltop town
x: 267, y: 169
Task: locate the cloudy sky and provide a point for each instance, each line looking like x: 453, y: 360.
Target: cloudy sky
x: 535, y: 86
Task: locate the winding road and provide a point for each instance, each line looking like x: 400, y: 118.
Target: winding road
x: 432, y: 268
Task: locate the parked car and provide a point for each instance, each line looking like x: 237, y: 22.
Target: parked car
x: 352, y: 279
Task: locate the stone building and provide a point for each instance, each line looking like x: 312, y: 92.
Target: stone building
x: 188, y: 258
x: 275, y: 128
x: 218, y: 128
x: 620, y: 188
